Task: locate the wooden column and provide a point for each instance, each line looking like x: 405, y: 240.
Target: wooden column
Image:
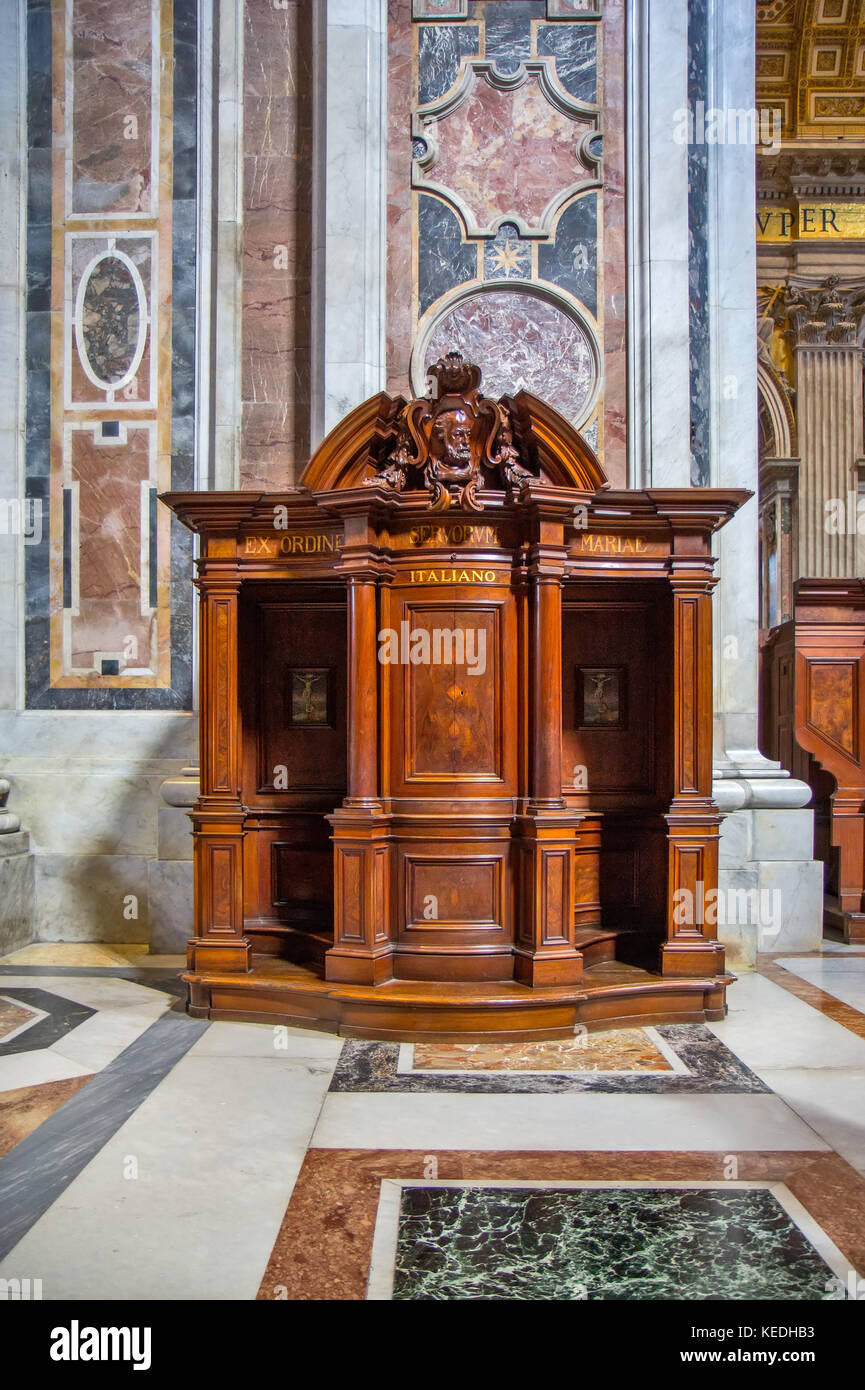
x: 219, y: 943
x: 692, y: 948
x: 544, y: 953
x: 362, y: 692
x: 362, y: 949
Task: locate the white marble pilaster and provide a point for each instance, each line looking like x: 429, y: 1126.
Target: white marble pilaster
x: 228, y: 165
x: 349, y: 259
x: 659, y: 378
x: 760, y: 848
x: 13, y: 202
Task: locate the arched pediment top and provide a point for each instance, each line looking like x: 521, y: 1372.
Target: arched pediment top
x: 455, y: 442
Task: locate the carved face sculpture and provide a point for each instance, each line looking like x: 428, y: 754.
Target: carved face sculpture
x: 451, y: 444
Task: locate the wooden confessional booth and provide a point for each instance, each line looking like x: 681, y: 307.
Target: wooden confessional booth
x: 456, y: 732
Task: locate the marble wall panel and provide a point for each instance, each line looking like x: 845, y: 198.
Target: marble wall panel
x: 698, y: 251
x: 514, y: 151
x: 612, y: 251
x: 112, y: 103
x: 276, y: 252
x: 523, y: 343
x: 91, y: 898
x: 401, y: 271
x: 114, y: 59
x: 109, y: 614
x: 507, y: 152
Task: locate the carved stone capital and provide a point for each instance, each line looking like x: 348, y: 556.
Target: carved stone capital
x: 825, y: 315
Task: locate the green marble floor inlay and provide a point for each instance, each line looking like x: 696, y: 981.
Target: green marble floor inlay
x: 602, y: 1243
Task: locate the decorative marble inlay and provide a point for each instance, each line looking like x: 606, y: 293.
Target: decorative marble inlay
x: 623, y: 1049
x: 525, y: 343
x: 703, y: 1064
x: 110, y: 325
x: 507, y: 256
x: 50, y: 1018
x: 14, y: 1017
x: 506, y: 182
x: 515, y: 147
x: 23, y: 1109
x: 559, y: 1244
x: 110, y: 348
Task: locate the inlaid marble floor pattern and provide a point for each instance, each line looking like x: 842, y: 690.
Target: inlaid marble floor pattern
x: 147, y: 1155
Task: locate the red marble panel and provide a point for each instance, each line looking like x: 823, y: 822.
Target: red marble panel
x: 507, y: 152
x: 109, y: 478
x: 401, y: 95
x: 277, y: 171
x: 112, y: 71
x: 523, y: 342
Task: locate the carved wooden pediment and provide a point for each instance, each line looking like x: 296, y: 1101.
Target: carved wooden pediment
x: 455, y: 443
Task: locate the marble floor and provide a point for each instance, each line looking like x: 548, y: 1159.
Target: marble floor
x: 145, y: 1155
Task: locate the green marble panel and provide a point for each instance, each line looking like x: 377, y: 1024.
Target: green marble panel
x: 555, y: 1244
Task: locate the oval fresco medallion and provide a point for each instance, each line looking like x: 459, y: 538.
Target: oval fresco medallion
x: 110, y: 323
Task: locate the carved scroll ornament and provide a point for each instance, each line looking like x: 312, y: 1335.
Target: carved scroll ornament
x: 453, y: 441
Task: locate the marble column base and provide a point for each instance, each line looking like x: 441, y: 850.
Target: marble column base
x: 17, y: 892
x: 771, y: 886
x: 767, y: 853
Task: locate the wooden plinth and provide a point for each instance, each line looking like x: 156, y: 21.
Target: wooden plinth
x: 609, y: 994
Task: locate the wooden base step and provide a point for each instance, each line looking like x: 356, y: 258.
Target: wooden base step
x: 611, y: 994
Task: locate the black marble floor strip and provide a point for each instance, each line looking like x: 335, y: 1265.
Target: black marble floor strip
x: 372, y: 1066
x: 41, y: 1167
x: 63, y: 1016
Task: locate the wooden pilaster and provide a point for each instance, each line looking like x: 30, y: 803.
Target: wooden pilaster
x: 544, y: 951
x: 219, y: 942
x: 692, y: 948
